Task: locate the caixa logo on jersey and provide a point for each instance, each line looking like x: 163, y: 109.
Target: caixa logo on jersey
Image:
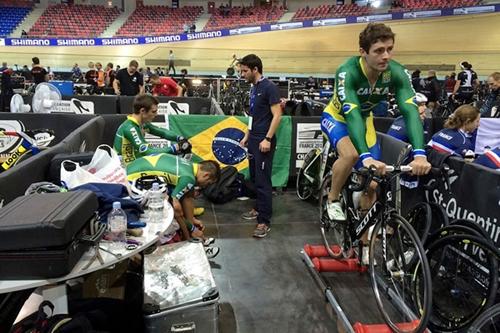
x: 226, y: 146
x: 8, y: 143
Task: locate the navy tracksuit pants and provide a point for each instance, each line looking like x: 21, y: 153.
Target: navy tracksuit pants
x: 261, y: 166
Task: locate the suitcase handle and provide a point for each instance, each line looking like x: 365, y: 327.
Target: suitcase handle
x: 210, y: 295
x: 183, y: 328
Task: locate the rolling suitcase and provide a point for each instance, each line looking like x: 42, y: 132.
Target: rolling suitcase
x: 42, y: 234
x: 179, y: 290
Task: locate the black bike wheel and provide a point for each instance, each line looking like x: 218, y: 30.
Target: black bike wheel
x: 333, y: 232
x: 472, y: 225
x: 393, y: 276
x: 450, y: 230
x: 306, y: 183
x: 439, y: 217
x: 487, y: 322
x: 420, y: 218
x: 464, y: 271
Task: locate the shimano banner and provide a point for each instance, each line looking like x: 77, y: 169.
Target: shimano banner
x: 245, y: 30
x: 111, y: 41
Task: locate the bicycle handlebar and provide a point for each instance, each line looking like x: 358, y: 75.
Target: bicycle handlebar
x: 369, y: 174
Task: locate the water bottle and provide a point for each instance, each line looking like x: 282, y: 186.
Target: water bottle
x: 155, y: 205
x: 117, y: 224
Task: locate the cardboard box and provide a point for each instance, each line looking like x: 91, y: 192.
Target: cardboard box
x: 109, y: 283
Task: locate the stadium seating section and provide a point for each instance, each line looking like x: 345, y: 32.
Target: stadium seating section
x: 405, y: 5
x: 238, y: 17
x: 328, y: 11
x: 73, y: 21
x: 11, y: 17
x: 64, y: 20
x: 158, y: 20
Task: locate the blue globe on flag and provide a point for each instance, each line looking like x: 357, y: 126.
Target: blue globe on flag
x: 226, y: 146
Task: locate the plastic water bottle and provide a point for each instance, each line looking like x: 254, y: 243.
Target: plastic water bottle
x: 155, y: 205
x: 117, y: 224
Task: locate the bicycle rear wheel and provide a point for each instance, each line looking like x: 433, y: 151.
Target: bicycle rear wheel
x: 393, y: 271
x: 333, y: 232
x: 450, y: 230
x: 464, y: 271
x: 472, y: 225
x: 307, y: 180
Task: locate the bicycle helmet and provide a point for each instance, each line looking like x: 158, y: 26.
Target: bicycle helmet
x: 420, y: 98
x: 140, y: 187
x: 44, y: 187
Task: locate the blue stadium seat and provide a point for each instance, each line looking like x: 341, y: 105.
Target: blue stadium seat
x: 10, y: 18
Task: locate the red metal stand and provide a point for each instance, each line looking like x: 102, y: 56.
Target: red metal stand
x: 383, y: 328
x: 314, y: 251
x: 338, y: 265
x: 313, y: 257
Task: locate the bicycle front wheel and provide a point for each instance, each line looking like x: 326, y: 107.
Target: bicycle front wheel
x: 306, y: 179
x: 488, y: 321
x: 334, y: 233
x: 395, y: 254
x: 464, y: 270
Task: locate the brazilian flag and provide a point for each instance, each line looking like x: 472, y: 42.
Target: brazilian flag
x: 217, y: 138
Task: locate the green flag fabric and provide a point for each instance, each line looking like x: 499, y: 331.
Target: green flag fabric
x: 217, y: 138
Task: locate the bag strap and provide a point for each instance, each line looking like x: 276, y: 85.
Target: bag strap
x: 70, y: 162
x: 108, y: 149
x: 42, y: 317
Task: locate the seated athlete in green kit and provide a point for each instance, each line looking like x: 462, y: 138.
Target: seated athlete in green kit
x: 130, y: 140
x: 181, y: 177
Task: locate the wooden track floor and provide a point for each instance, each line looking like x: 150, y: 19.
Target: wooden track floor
x: 449, y: 40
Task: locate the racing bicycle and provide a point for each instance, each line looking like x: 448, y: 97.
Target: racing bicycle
x: 31, y: 143
x: 395, y: 250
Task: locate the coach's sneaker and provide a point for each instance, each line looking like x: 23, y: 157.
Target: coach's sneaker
x: 261, y: 230
x: 251, y: 215
x: 212, y: 252
x: 335, y: 212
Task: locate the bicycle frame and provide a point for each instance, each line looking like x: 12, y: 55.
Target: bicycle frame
x: 323, y: 154
x: 27, y: 144
x: 357, y: 226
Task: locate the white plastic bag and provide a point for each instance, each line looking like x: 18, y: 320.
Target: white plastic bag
x: 105, y: 165
x: 76, y: 177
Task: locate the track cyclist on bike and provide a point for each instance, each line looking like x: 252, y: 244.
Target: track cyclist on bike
x: 360, y: 84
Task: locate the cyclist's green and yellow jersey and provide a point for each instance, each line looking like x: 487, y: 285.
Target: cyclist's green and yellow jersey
x: 179, y: 173
x: 131, y: 144
x: 354, y: 99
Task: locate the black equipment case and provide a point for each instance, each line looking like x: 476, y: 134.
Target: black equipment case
x: 42, y: 234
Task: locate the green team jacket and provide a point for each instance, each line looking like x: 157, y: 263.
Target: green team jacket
x: 131, y: 144
x: 354, y: 99
x: 178, y: 173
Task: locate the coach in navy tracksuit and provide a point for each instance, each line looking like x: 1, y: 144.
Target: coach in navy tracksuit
x: 265, y: 115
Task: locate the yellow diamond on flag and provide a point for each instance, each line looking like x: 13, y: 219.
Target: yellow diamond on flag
x: 220, y: 143
x: 152, y: 159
